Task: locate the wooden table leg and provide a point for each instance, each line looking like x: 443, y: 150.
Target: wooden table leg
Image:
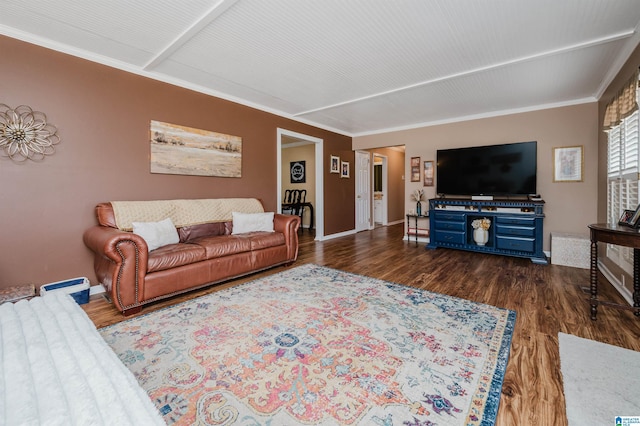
x: 636, y: 281
x: 594, y: 279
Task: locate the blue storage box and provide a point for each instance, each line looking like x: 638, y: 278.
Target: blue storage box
x: 78, y: 288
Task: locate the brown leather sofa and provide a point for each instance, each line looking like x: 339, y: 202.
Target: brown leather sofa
x: 206, y: 253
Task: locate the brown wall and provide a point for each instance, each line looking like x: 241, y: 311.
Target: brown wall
x: 102, y: 115
x: 570, y: 207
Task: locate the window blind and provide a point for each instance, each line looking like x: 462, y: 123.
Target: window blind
x: 623, y: 188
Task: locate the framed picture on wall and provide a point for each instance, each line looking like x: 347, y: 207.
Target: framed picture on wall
x: 415, y: 169
x: 568, y: 164
x: 335, y: 164
x: 428, y: 173
x: 298, y: 171
x: 344, y: 169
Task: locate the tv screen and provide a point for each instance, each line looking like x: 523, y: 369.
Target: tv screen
x: 507, y: 169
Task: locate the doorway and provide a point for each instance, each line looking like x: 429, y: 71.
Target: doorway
x: 363, y: 191
x: 380, y: 189
x: 288, y: 137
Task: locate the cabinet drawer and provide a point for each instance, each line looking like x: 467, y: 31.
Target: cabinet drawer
x: 448, y: 216
x: 451, y: 237
x: 516, y: 220
x: 522, y: 231
x: 450, y: 226
x: 513, y: 243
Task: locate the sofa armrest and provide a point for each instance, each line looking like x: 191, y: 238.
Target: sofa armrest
x: 120, y: 263
x: 288, y: 225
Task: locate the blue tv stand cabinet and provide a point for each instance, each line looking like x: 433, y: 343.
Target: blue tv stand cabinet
x: 516, y: 226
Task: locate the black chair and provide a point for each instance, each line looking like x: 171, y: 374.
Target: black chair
x: 295, y: 202
x: 289, y: 204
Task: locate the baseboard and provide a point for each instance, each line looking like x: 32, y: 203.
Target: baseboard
x: 615, y: 282
x: 96, y: 289
x: 338, y: 235
x: 412, y: 239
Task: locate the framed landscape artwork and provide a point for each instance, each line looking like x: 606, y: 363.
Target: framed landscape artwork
x: 181, y: 150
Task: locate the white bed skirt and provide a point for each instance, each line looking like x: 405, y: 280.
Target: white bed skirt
x: 57, y: 370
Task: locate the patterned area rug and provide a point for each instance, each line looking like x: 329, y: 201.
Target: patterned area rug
x: 314, y: 345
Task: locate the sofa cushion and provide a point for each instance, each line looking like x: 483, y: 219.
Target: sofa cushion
x: 223, y: 245
x: 252, y: 222
x: 263, y: 240
x: 174, y: 255
x: 190, y: 233
x: 157, y: 234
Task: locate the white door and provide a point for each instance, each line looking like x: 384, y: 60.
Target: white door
x: 363, y: 191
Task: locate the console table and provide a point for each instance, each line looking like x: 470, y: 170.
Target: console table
x: 516, y: 226
x: 622, y: 236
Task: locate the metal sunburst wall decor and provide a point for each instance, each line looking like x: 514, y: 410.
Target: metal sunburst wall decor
x: 25, y: 134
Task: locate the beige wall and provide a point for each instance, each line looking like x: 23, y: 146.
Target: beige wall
x: 569, y: 207
x: 301, y: 153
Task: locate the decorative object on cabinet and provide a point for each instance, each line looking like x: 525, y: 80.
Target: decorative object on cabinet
x: 568, y: 164
x: 181, y: 150
x: 344, y: 169
x: 335, y: 164
x: 25, y: 134
x: 428, y: 173
x: 417, y: 196
x: 298, y: 171
x: 415, y: 169
x: 481, y: 230
x: 517, y: 228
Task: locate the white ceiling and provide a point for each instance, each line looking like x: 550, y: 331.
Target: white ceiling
x: 356, y: 67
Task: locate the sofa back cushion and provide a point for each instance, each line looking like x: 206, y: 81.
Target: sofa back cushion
x: 190, y: 233
x: 121, y: 214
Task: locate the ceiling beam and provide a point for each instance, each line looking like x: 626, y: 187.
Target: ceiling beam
x: 208, y: 17
x: 589, y: 43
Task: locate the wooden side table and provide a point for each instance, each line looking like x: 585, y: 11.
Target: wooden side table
x: 622, y: 236
x: 415, y: 218
x: 18, y: 292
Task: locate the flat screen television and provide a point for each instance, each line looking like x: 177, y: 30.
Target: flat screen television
x: 497, y: 170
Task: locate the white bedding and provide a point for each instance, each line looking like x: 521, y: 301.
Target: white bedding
x: 57, y: 370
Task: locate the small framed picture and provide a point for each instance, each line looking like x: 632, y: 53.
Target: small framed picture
x: 625, y: 218
x: 568, y: 163
x: 415, y: 169
x: 344, y: 169
x: 635, y: 219
x: 428, y: 173
x: 335, y: 164
x: 298, y: 171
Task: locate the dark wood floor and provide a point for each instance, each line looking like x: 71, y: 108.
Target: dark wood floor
x: 548, y: 299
